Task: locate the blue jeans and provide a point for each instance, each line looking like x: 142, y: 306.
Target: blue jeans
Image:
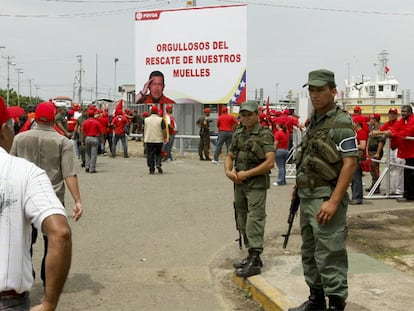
x: 224, y: 137
x: 91, y: 152
x: 356, y: 185
x: 122, y: 138
x: 169, y: 145
x: 281, y: 157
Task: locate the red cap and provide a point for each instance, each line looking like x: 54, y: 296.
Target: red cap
x: 357, y: 109
x: 224, y: 109
x: 168, y: 108
x: 375, y: 116
x: 206, y: 110
x: 4, y: 113
x: 359, y: 119
x: 154, y: 109
x: 145, y: 114
x: 394, y: 110
x: 45, y: 112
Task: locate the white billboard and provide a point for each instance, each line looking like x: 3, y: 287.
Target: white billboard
x: 201, y: 51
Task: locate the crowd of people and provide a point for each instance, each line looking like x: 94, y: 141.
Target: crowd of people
x: 335, y: 150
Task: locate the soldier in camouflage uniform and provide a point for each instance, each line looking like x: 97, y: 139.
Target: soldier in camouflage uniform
x: 325, y: 163
x: 247, y: 164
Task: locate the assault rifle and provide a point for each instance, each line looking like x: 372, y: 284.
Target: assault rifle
x: 294, y: 206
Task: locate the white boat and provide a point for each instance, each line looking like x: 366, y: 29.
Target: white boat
x: 373, y: 96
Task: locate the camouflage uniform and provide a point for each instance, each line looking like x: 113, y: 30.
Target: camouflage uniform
x: 249, y: 149
x: 324, y: 255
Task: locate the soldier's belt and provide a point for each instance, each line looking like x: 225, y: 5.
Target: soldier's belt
x: 312, y: 183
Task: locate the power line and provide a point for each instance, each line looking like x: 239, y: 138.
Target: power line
x: 299, y: 7
x: 88, y: 14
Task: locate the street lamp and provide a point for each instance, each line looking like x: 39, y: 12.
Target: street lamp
x: 116, y: 60
x: 19, y: 71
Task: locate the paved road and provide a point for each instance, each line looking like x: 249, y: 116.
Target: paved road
x: 153, y: 242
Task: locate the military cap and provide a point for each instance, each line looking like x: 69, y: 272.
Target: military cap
x: 320, y: 78
x: 250, y: 105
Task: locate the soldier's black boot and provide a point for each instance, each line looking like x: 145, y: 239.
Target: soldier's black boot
x: 316, y: 301
x: 252, y: 267
x: 243, y: 262
x: 336, y: 303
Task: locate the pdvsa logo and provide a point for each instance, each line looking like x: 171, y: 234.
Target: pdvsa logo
x: 149, y: 15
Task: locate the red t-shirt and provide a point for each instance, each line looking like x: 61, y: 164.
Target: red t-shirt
x: 225, y: 122
x: 104, y: 121
x: 119, y: 121
x: 401, y: 129
x: 361, y: 134
x: 282, y: 138
x: 91, y: 127
x: 388, y: 127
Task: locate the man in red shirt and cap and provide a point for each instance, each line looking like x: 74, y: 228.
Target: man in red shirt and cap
x: 403, y: 130
x: 396, y: 186
x: 225, y: 126
x: 91, y: 135
x: 119, y: 123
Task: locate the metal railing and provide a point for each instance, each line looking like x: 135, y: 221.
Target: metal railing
x: 187, y: 143
x: 386, y: 174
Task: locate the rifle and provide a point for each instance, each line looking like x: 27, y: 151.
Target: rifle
x: 237, y: 227
x: 294, y: 206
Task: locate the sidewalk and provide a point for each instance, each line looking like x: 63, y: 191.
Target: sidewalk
x: 373, y: 285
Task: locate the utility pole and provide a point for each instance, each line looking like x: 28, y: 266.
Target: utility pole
x: 116, y: 61
x: 37, y: 87
x: 30, y: 89
x: 80, y: 78
x: 19, y: 71
x: 96, y: 79
x: 9, y: 63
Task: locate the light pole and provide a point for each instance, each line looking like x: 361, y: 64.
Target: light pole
x: 9, y: 63
x: 116, y: 60
x: 19, y: 71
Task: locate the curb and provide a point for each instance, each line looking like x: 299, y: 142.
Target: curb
x: 262, y: 292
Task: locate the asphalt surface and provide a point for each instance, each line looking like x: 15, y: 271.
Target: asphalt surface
x: 166, y: 242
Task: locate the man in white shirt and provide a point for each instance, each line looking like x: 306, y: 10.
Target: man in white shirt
x: 155, y: 134
x: 27, y: 197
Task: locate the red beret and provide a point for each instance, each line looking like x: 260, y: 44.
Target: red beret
x: 45, y: 112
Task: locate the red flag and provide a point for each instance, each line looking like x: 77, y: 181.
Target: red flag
x: 268, y: 107
x: 387, y: 69
x: 119, y: 105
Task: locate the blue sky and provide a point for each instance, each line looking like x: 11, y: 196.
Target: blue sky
x: 286, y: 39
